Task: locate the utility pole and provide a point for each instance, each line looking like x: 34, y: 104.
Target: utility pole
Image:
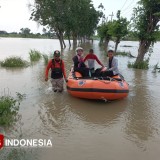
x: 107, y: 19
x: 111, y: 16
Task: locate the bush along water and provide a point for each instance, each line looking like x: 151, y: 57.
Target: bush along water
x: 14, y: 62
x: 9, y: 108
x: 34, y: 55
x: 141, y: 65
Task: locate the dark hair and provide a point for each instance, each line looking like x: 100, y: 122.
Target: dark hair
x: 111, y: 51
x: 91, y: 51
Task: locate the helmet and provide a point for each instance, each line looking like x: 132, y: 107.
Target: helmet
x: 79, y: 48
x: 57, y: 53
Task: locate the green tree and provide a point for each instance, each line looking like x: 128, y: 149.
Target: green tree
x: 70, y: 17
x: 50, y: 13
x: 81, y: 19
x: 103, y: 33
x: 118, y: 29
x: 145, y: 23
x: 25, y: 32
x: 89, y: 21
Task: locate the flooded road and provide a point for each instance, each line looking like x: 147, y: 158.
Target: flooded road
x: 127, y: 129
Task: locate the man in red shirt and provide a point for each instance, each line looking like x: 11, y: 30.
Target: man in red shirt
x: 91, y: 58
x: 57, y: 72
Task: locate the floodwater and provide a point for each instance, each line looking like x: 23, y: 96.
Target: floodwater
x: 79, y: 129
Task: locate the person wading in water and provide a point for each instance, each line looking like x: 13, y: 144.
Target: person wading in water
x: 58, y: 73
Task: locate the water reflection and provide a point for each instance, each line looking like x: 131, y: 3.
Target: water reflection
x: 53, y: 112
x: 97, y: 112
x: 63, y: 112
x: 139, y: 120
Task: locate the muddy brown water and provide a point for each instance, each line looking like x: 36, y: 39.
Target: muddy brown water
x: 82, y: 129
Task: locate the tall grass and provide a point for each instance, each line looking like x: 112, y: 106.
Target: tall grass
x: 14, y: 62
x: 45, y: 57
x: 34, y: 55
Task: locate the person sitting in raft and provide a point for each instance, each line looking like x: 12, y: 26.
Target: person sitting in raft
x: 111, y: 68
x: 91, y: 58
x: 57, y: 72
x: 79, y: 65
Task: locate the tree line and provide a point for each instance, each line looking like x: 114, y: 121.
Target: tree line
x: 74, y: 19
x: 26, y: 33
x: 143, y: 26
x: 78, y: 20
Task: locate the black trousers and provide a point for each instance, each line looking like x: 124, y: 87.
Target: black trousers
x: 107, y: 73
x: 98, y: 73
x: 84, y: 71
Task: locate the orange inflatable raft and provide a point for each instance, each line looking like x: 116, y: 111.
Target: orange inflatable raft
x: 97, y: 88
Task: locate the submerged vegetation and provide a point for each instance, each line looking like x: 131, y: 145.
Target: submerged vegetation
x: 156, y: 68
x: 122, y: 53
x: 34, y: 55
x: 14, y: 62
x: 126, y: 46
x: 9, y: 108
x: 140, y: 65
x: 45, y: 57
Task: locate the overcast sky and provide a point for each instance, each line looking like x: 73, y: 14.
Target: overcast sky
x: 15, y: 14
